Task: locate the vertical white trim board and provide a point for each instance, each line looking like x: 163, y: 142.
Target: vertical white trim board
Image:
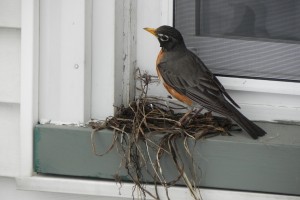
x: 65, y: 60
x: 103, y: 58
x: 29, y: 83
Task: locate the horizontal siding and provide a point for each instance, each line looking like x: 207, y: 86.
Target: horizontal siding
x: 10, y: 65
x: 10, y: 52
x: 10, y: 13
x: 9, y: 139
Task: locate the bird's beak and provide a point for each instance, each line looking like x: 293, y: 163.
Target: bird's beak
x: 152, y: 31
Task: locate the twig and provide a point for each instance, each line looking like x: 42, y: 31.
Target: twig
x: 153, y: 117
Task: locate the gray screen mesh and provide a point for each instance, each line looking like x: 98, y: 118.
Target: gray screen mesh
x: 244, y: 38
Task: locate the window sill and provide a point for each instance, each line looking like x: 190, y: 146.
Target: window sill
x: 111, y: 189
x: 269, y: 165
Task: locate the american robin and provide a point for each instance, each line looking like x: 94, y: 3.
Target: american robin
x: 187, y: 79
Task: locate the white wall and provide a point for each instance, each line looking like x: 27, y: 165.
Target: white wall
x: 10, y: 13
x: 9, y: 86
x: 65, y: 60
x: 150, y: 15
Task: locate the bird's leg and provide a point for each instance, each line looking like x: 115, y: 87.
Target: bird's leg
x: 197, y: 112
x: 185, y: 118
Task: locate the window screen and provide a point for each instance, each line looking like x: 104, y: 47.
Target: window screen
x: 243, y: 38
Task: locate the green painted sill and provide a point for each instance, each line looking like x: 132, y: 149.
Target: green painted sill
x: 270, y: 164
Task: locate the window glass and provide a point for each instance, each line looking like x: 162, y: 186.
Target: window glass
x: 275, y: 19
x: 243, y: 38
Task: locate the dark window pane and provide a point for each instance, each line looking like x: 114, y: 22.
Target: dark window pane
x: 244, y: 38
x: 274, y: 19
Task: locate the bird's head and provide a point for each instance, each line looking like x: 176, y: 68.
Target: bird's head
x: 168, y: 37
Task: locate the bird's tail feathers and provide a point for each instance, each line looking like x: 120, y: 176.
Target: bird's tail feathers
x: 250, y: 127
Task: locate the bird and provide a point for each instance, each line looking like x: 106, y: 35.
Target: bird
x: 187, y: 78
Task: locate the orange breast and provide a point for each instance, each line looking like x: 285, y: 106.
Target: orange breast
x: 173, y: 92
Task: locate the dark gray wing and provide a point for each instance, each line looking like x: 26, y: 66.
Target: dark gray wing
x: 188, y: 75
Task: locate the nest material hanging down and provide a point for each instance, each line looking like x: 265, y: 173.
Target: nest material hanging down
x: 152, y: 124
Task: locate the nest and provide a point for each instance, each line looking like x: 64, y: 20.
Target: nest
x: 149, y: 129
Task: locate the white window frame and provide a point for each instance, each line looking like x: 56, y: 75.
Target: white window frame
x: 241, y: 84
x: 260, y: 100
x: 27, y: 180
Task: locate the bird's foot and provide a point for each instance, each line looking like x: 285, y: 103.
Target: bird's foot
x: 187, y: 117
x: 184, y: 119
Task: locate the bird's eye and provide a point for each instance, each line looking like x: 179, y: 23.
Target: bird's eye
x: 163, y: 37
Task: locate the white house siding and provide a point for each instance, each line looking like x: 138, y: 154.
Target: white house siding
x: 9, y: 86
x: 10, y: 51
x: 10, y: 13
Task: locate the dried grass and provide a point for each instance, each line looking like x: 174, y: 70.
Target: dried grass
x: 150, y: 126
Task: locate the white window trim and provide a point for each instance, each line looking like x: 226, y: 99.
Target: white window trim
x: 267, y: 86
x: 124, y: 191
x: 65, y: 66
x: 27, y: 180
x: 277, y: 100
x: 29, y: 83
